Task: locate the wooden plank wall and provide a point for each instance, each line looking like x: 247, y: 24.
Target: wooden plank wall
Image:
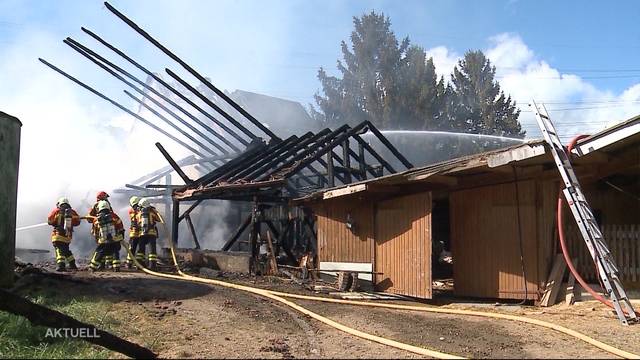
x: 336, y: 243
x: 485, y: 245
x: 403, y: 245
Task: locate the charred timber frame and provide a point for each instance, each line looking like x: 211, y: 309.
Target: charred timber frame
x: 246, y: 167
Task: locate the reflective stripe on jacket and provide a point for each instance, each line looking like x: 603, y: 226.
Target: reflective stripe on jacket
x: 56, y: 219
x: 134, y: 228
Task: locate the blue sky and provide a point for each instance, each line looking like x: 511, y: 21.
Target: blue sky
x: 277, y: 46
x: 579, y: 57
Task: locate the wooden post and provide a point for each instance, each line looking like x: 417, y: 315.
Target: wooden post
x: 330, y: 177
x: 346, y: 159
x: 9, y: 158
x: 193, y: 231
x: 362, y: 165
x: 273, y: 268
x: 555, y: 281
x: 175, y: 222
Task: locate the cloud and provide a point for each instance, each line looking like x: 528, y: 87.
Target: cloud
x: 576, y: 106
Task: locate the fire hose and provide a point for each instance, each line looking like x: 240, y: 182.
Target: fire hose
x: 279, y: 297
x: 563, y: 244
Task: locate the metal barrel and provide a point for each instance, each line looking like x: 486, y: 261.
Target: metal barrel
x: 9, y: 158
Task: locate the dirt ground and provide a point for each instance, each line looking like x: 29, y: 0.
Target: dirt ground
x: 182, y: 319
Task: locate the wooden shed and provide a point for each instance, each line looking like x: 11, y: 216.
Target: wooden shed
x: 494, y: 211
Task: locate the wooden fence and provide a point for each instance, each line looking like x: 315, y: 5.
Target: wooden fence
x: 623, y: 242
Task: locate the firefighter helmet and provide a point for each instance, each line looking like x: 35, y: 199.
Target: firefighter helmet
x: 144, y: 203
x: 102, y: 205
x: 134, y: 200
x: 102, y: 195
x: 62, y: 200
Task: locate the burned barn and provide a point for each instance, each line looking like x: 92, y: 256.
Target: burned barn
x: 495, y: 212
x: 328, y: 194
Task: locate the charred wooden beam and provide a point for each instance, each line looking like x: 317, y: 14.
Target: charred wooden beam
x: 191, y: 70
x: 346, y: 158
x: 175, y: 221
x: 362, y: 162
x: 306, y: 151
x: 213, y: 105
x: 236, y: 234
x: 189, y: 210
x: 121, y: 107
x: 192, y: 230
x: 174, y: 165
x: 389, y: 145
x: 170, y: 88
x: 103, y: 63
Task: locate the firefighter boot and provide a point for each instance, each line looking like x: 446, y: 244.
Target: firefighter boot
x: 60, y: 267
x: 72, y: 265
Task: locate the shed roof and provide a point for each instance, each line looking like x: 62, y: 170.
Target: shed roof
x: 528, y: 153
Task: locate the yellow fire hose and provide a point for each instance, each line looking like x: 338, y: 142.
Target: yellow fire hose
x: 279, y: 296
x: 268, y: 294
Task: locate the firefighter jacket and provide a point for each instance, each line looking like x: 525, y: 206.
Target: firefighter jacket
x: 134, y: 228
x: 57, y: 219
x: 108, y: 227
x: 147, y: 219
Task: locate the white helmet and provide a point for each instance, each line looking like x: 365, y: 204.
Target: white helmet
x: 103, y: 205
x: 144, y: 203
x: 134, y: 200
x: 62, y: 200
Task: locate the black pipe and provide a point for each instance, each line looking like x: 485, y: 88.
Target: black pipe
x: 170, y: 88
x: 193, y: 72
x: 173, y: 164
x: 88, y: 52
x: 104, y: 97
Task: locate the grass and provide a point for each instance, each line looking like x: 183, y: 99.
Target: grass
x: 20, y: 339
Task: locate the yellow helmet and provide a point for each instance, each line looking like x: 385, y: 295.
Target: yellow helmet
x: 62, y: 200
x: 103, y: 205
x: 134, y: 200
x: 144, y: 203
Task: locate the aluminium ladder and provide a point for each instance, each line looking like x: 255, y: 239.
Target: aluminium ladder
x: 585, y: 219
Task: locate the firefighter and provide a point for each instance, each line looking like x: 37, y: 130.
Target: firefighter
x: 134, y: 233
x: 93, y: 212
x: 109, y: 232
x: 63, y: 218
x: 148, y: 216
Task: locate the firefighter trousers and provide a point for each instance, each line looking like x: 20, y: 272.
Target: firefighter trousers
x: 108, y: 250
x: 135, y: 248
x: 63, y: 253
x: 150, y: 242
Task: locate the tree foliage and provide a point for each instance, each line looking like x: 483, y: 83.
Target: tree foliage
x: 394, y: 85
